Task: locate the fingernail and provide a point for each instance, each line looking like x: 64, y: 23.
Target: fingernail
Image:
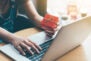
x: 38, y: 52
x: 40, y: 48
x: 23, y: 54
x: 32, y: 53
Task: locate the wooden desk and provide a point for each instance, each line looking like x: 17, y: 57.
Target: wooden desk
x: 81, y: 53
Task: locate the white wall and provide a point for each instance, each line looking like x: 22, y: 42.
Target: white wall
x: 60, y: 5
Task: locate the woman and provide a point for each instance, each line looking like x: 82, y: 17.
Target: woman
x: 9, y: 21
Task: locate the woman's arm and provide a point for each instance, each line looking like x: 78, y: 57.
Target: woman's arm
x: 32, y: 13
x: 5, y: 35
x: 30, y: 10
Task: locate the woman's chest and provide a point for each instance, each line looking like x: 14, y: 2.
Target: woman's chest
x: 5, y: 8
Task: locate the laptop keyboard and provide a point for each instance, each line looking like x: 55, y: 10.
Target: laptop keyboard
x: 38, y: 57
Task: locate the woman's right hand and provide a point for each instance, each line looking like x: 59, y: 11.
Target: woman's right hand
x: 21, y: 44
x: 25, y: 45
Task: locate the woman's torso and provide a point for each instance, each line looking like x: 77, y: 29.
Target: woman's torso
x: 8, y: 15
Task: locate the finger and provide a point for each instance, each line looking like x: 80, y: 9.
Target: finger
x: 31, y: 45
x: 28, y: 49
x: 48, y: 28
x: 48, y: 31
x: 36, y: 45
x: 49, y: 35
x: 52, y: 33
x: 20, y: 50
x: 36, y: 49
x: 44, y: 28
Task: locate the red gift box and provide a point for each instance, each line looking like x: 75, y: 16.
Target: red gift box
x: 50, y: 21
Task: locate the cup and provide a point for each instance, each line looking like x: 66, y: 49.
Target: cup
x: 83, y: 12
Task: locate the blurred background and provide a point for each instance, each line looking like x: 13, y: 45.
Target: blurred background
x: 61, y: 5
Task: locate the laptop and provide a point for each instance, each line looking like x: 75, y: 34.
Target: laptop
x: 68, y: 37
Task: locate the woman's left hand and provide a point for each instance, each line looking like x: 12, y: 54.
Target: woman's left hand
x: 49, y: 31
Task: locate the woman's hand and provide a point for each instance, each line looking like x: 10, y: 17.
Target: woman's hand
x: 49, y: 31
x: 25, y: 45
x: 21, y: 44
x: 50, y: 24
